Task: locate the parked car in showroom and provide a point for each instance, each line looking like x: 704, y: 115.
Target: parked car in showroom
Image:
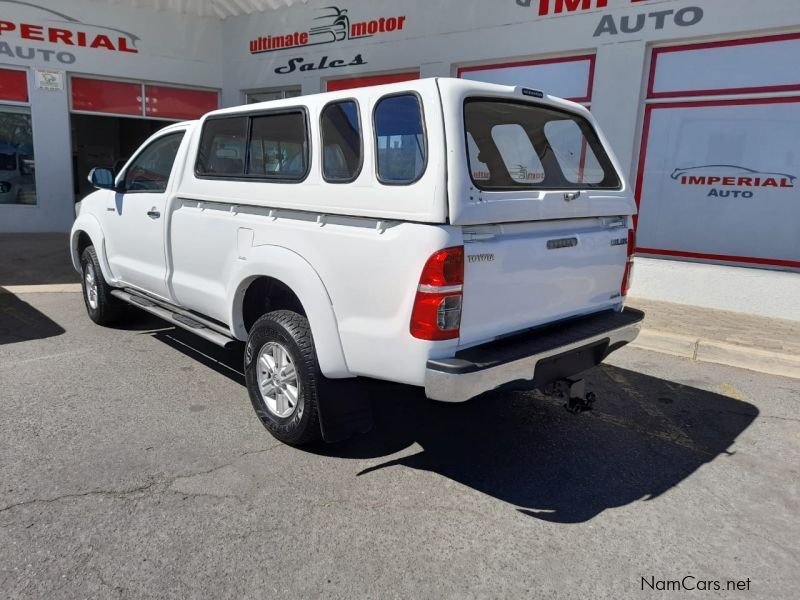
x: 453, y: 235
x: 17, y: 184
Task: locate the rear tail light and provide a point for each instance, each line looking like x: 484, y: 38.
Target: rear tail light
x: 437, y: 307
x: 627, y: 276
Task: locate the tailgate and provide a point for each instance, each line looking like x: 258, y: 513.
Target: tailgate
x: 518, y: 161
x: 520, y: 275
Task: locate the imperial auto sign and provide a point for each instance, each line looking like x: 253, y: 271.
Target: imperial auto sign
x: 609, y: 24
x: 731, y: 181
x: 60, y: 31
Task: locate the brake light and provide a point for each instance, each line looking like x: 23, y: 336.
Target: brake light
x: 627, y: 276
x: 437, y: 306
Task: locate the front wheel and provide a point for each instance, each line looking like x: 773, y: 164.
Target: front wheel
x: 283, y: 376
x: 102, y: 307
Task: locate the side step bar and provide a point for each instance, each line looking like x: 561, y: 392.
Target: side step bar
x: 173, y: 317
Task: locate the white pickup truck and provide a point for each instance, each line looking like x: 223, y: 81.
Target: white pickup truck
x: 453, y: 235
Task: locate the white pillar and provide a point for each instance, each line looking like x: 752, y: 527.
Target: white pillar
x: 52, y: 153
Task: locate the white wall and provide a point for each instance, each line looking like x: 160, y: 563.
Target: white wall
x: 172, y: 48
x: 439, y: 36
x: 752, y: 291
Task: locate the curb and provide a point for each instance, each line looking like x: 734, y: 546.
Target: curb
x: 712, y: 351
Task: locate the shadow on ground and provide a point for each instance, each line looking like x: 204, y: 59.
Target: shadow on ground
x: 645, y: 436
x: 20, y: 322
x: 36, y: 259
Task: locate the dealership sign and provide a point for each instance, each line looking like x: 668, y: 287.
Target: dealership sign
x: 62, y: 33
x: 300, y: 64
x: 550, y: 7
x: 556, y: 7
x: 332, y: 25
x: 609, y: 25
x: 730, y: 181
x: 49, y: 80
x: 685, y: 17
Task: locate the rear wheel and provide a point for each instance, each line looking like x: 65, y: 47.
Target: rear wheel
x: 283, y: 376
x: 102, y: 307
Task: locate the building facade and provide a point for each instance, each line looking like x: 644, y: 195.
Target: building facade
x: 699, y: 98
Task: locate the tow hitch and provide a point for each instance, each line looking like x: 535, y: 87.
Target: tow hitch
x: 573, y: 392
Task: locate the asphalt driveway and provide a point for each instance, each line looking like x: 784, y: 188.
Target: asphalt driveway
x: 132, y: 466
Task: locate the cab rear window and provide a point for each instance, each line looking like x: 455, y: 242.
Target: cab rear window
x: 518, y: 145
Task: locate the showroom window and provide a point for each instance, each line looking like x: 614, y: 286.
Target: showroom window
x: 138, y: 99
x: 719, y: 165
x: 267, y: 95
x: 17, y: 167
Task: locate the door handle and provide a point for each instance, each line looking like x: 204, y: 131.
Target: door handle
x: 570, y: 196
x: 153, y: 213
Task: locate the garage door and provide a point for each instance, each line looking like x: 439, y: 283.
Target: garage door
x: 128, y: 98
x: 719, y: 162
x: 357, y: 82
x: 570, y: 77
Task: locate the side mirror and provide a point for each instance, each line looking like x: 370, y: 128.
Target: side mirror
x: 102, y: 178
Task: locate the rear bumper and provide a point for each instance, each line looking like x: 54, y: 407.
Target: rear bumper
x: 532, y: 359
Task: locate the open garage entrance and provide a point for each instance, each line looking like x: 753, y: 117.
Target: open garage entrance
x: 103, y: 141
x: 110, y: 119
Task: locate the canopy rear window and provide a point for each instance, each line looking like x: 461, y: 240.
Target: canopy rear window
x: 517, y: 145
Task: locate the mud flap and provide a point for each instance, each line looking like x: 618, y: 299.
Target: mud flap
x: 344, y: 408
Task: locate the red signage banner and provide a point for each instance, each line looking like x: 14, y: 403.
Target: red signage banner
x: 103, y: 96
x: 357, y: 82
x: 178, y: 103
x: 13, y: 85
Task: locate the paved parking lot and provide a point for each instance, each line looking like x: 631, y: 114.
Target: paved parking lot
x: 132, y: 465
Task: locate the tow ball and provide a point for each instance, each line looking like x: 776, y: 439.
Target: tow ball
x: 573, y: 392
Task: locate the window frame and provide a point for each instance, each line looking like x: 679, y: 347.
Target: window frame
x: 425, y: 147
x: 539, y: 188
x: 121, y: 180
x: 23, y: 108
x: 282, y: 90
x: 361, y: 149
x: 28, y: 86
x: 249, y: 116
